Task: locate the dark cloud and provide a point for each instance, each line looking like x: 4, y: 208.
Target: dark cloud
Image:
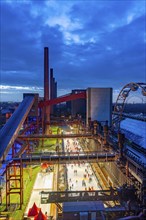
x: 91, y: 43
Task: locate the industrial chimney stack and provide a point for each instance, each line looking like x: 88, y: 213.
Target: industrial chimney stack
x: 46, y: 89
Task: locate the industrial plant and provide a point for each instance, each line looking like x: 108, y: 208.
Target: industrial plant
x: 73, y: 157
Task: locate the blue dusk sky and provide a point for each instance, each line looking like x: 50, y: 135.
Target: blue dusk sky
x: 98, y: 43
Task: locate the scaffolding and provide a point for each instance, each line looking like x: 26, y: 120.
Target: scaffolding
x: 14, y: 182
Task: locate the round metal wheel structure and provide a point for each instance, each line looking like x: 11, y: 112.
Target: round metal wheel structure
x: 121, y: 100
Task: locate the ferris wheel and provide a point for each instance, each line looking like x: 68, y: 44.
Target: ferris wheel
x: 121, y: 101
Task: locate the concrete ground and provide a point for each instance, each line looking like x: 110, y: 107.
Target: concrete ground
x: 44, y: 181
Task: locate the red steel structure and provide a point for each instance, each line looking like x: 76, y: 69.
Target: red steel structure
x: 11, y: 177
x: 65, y: 98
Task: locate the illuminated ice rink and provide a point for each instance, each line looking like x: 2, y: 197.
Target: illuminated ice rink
x: 80, y: 175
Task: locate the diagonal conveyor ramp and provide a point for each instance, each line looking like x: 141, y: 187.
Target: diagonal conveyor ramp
x: 9, y: 132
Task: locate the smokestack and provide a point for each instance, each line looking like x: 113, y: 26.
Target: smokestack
x: 51, y: 83
x: 55, y: 89
x: 46, y: 74
x: 46, y: 88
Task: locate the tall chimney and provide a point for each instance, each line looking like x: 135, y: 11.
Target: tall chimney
x: 46, y: 87
x: 51, y: 83
x: 46, y: 74
x: 55, y: 89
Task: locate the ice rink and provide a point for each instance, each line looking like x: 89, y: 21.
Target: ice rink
x: 80, y: 175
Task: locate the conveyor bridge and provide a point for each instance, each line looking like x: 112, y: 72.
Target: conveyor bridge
x: 71, y: 196
x: 10, y: 130
x: 58, y: 136
x: 64, y: 157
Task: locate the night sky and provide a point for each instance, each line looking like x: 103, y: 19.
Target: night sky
x: 91, y: 44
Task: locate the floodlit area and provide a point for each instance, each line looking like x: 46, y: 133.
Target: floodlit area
x: 80, y: 175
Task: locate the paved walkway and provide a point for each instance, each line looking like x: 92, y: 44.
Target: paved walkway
x: 44, y: 181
